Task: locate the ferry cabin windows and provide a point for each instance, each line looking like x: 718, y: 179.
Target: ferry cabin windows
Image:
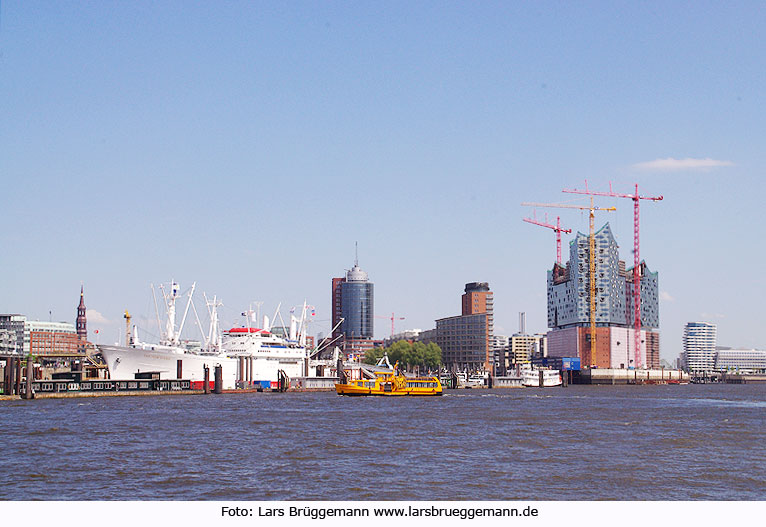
x: 421, y: 384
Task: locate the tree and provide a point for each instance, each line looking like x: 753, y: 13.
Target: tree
x: 408, y: 355
x: 373, y: 355
x: 433, y: 356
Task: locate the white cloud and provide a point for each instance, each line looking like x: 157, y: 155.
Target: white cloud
x: 664, y: 295
x: 95, y: 317
x: 671, y: 164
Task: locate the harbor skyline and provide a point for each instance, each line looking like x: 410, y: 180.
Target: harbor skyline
x: 246, y: 147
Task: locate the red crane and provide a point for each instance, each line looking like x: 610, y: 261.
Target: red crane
x: 591, y: 262
x: 391, y: 318
x: 636, y: 257
x: 556, y: 228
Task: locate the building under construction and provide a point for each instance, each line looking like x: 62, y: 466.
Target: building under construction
x: 570, y: 300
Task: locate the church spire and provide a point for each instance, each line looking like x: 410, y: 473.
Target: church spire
x: 82, y: 322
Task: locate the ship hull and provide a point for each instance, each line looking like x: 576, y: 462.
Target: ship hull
x: 124, y: 362
x: 531, y: 378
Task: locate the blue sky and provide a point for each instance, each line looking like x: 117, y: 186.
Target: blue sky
x: 248, y: 145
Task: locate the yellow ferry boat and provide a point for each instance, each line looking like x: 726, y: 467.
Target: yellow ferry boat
x: 391, y: 383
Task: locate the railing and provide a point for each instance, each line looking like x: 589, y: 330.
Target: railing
x: 67, y: 385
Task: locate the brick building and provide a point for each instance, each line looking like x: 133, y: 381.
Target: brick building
x: 465, y: 339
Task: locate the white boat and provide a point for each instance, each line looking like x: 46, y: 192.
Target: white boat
x: 124, y: 362
x: 265, y: 353
x: 532, y: 378
x: 250, y: 355
x: 476, y: 381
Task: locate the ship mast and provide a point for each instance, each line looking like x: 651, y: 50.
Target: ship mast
x: 172, y: 336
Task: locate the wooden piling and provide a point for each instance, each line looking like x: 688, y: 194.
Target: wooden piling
x: 18, y: 376
x: 28, y: 393
x: 206, y: 376
x: 10, y: 365
x: 540, y: 381
x: 6, y: 377
x: 218, y: 388
x: 179, y: 369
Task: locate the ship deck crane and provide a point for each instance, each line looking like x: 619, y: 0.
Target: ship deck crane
x: 636, y: 258
x: 591, y: 257
x: 127, y: 318
x: 556, y: 228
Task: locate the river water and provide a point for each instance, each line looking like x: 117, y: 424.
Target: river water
x: 694, y: 442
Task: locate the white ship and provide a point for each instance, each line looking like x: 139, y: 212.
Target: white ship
x: 532, y: 378
x: 247, y: 356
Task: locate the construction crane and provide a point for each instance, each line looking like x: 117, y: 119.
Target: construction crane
x: 636, y: 258
x: 556, y: 228
x: 391, y: 318
x: 591, y: 257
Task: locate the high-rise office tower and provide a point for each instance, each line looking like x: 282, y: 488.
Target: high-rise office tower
x: 699, y: 346
x: 479, y: 299
x: 356, y: 294
x: 353, y: 301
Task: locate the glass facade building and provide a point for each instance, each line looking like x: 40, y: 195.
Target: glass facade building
x: 569, y: 287
x: 357, y: 301
x: 16, y: 324
x: 464, y: 341
x: 741, y: 360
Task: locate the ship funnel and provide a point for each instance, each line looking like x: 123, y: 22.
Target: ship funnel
x: 266, y: 326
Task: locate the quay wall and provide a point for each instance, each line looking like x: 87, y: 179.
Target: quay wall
x: 507, y: 382
x: 621, y: 376
x: 313, y: 384
x: 731, y: 378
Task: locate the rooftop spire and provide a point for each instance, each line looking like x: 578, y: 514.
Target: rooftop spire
x: 356, y: 254
x: 82, y: 323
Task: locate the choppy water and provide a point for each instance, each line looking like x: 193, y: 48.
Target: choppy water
x: 697, y: 442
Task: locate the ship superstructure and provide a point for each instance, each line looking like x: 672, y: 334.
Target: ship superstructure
x: 247, y: 355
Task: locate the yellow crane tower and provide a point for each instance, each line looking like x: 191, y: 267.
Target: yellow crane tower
x: 591, y: 258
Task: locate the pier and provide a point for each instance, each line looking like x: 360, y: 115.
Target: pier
x: 18, y: 382
x: 747, y: 378
x: 611, y: 376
